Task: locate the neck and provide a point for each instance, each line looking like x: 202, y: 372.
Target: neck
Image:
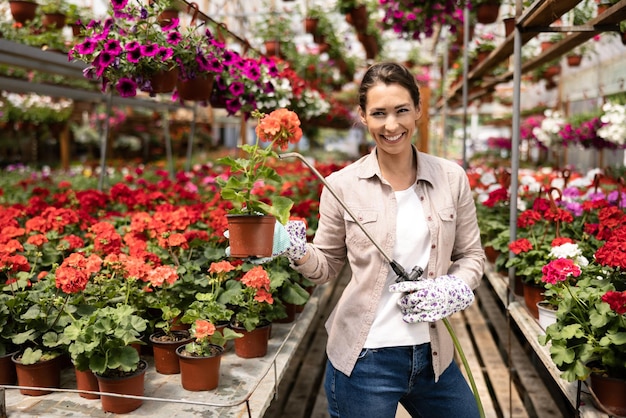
x: 399, y: 170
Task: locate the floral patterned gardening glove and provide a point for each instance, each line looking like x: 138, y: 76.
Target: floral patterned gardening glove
x: 297, y: 238
x: 430, y: 300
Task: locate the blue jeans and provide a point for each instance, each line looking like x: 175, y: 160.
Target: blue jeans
x: 384, y: 377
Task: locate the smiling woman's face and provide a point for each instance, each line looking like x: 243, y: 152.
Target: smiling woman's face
x: 390, y: 116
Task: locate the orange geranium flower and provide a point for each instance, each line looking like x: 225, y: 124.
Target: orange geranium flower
x: 280, y: 127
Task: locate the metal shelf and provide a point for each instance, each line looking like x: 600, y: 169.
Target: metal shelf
x: 537, y: 18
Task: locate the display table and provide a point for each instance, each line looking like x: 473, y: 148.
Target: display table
x: 246, y: 387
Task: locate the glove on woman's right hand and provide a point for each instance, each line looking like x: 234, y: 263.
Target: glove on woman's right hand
x: 430, y: 300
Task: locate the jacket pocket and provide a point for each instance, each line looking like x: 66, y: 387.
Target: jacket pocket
x: 354, y: 234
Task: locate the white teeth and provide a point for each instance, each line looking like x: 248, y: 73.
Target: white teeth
x: 393, y: 138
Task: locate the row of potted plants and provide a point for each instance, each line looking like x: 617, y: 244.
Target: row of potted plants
x: 88, y: 274
x: 568, y: 253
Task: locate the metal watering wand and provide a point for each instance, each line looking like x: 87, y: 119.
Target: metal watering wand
x: 414, y: 275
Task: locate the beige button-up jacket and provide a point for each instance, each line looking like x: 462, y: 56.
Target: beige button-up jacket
x: 443, y: 188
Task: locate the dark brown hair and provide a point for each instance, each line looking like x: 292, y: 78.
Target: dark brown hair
x: 388, y: 73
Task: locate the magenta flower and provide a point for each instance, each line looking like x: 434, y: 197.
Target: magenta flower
x: 88, y: 46
x: 126, y: 87
x: 149, y: 50
x: 134, y: 55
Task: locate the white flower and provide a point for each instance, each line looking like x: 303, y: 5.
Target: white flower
x: 569, y: 250
x: 551, y: 125
x: 614, y: 118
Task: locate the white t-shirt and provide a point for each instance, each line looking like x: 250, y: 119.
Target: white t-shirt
x: 412, y: 248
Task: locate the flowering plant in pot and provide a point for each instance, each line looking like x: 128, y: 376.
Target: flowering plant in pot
x: 208, y: 340
x: 200, y: 359
x: 251, y: 298
x: 249, y: 181
x: 590, y: 333
x: 127, y: 48
x: 417, y: 20
x: 248, y: 175
x: 207, y: 306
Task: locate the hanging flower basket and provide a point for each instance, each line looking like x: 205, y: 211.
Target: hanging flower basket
x: 574, y: 60
x: 164, y: 81
x: 196, y: 89
x: 487, y: 12
x: 22, y: 10
x: 310, y: 24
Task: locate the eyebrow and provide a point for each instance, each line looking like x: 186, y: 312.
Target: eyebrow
x: 376, y: 109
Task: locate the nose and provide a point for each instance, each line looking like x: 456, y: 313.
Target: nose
x: 391, y: 123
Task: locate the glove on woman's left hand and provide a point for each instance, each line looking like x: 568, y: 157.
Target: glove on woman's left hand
x: 430, y: 300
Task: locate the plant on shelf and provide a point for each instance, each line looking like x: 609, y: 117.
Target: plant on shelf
x: 208, y: 340
x: 54, y: 6
x: 614, y: 120
x: 250, y: 297
x: 539, y: 230
x: 590, y: 333
x: 207, y: 305
x: 485, y: 42
x: 419, y: 20
x: 102, y: 341
x: 277, y: 30
x: 126, y: 50
x: 247, y: 176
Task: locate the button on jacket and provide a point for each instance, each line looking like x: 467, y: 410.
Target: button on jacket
x: 443, y: 188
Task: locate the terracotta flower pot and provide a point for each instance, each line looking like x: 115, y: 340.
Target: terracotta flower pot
x: 532, y: 295
x: 86, y: 380
x: 254, y: 343
x: 44, y: 374
x: 251, y: 235
x: 166, y: 16
x: 574, y: 60
x: 610, y: 393
x: 488, y: 11
x: 8, y: 376
x: 272, y: 48
x: 165, y: 358
x: 164, y: 81
x: 509, y: 25
x: 196, y: 89
x: 22, y: 10
x: 53, y: 20
x: 199, y: 373
x: 132, y: 384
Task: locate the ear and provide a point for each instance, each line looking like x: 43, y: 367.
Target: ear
x: 362, y: 116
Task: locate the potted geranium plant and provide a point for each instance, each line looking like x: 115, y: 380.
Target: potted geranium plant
x: 251, y: 298
x: 588, y: 339
x: 249, y: 176
x: 207, y: 305
x: 103, y: 342
x: 200, y: 359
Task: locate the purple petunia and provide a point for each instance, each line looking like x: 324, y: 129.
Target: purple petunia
x: 149, y: 50
x: 88, y: 46
x: 134, y: 55
x: 126, y: 87
x: 118, y: 4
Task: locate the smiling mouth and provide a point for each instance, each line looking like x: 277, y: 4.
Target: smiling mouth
x: 393, y: 138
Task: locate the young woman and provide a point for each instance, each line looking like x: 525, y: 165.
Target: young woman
x: 386, y: 341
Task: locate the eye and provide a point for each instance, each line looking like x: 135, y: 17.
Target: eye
x: 377, y: 113
x: 403, y: 110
